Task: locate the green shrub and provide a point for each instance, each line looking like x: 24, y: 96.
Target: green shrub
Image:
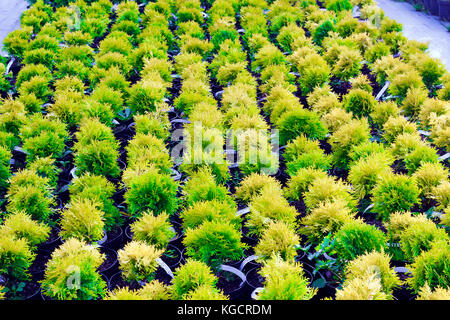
x: 356, y: 238
x: 153, y: 230
x: 82, y: 220
x: 202, y: 186
x: 366, y: 172
x: 37, y: 85
x: 345, y: 138
x: 31, y: 70
x: 348, y: 64
x: 419, y: 156
x: 16, y: 42
x: 16, y: 257
x: 327, y: 218
x: 214, y: 243
x: 394, y: 193
x: 383, y: 111
x: 21, y: 226
x: 367, y: 287
x: 40, y: 56
x: 301, y: 182
x: 430, y: 175
x: 419, y: 237
x: 284, y: 281
x: 151, y: 191
x: 327, y: 188
x: 294, y: 123
x: 339, y: 5
x: 147, y: 95
x: 213, y: 210
x: 278, y: 239
x: 74, y: 258
x: 268, y: 206
x: 205, y: 292
x: 374, y: 262
x: 43, y: 137
x: 322, y: 32
x: 359, y: 102
x: 146, y: 149
x: 431, y: 267
x: 5, y: 171
x: 45, y: 167
x: 312, y: 159
x: 32, y: 201
x: 138, y: 261
x: 252, y: 185
x: 439, y: 293
x: 189, y: 277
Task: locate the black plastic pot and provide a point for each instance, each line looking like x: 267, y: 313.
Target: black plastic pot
x: 444, y: 9
x: 114, y: 239
x: 237, y: 292
x: 434, y: 7
x: 108, y: 269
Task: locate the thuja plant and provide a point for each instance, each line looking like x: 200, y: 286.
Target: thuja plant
x: 96, y: 150
x: 82, y: 220
x: 214, y: 243
x: 213, y: 210
x: 356, y: 237
x: 71, y: 273
x: 252, y: 185
x: 16, y: 258
x: 20, y: 226
x: 278, y: 239
x: 138, y: 261
x: 190, y: 276
x: 152, y: 191
x: 284, y: 281
x: 154, y: 290
x: 153, y: 230
x: 100, y: 190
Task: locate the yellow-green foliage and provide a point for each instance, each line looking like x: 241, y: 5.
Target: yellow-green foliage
x: 395, y: 126
x: 335, y: 118
x: 356, y: 238
x: 394, y: 192
x: 347, y: 136
x: 328, y: 189
x: 348, y: 63
x: 214, y: 242
x: 431, y: 267
x: 83, y: 220
x: 404, y: 143
x: 383, y: 111
x: 213, y: 210
x: 430, y: 175
x: 328, y: 217
x: 138, y: 261
x: 440, y: 131
x: 269, y: 206
x: 280, y: 239
x: 368, y: 287
x: 71, y: 257
x: 206, y: 292
x: 419, y: 237
x: 373, y: 263
x: 2, y: 293
x: 441, y: 194
x: 301, y: 182
x: 21, y: 226
x: 361, y: 82
x: 415, y: 97
x: 146, y: 149
x: 16, y: 256
x: 284, y: 281
x: 366, y: 172
x: 189, y: 277
x: 432, y: 107
x: 438, y: 293
x: 153, y: 230
x: 400, y: 221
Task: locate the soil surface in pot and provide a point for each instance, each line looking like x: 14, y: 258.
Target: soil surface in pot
x: 110, y: 259
x: 228, y: 282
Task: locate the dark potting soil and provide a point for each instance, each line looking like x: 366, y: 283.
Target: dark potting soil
x: 228, y: 282
x: 39, y: 264
x: 110, y: 259
x: 172, y: 257
x: 254, y: 279
x: 29, y: 291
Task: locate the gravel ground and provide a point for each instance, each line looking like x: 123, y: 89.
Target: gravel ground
x: 420, y: 26
x: 10, y: 12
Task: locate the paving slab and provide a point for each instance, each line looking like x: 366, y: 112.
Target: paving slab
x: 421, y: 27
